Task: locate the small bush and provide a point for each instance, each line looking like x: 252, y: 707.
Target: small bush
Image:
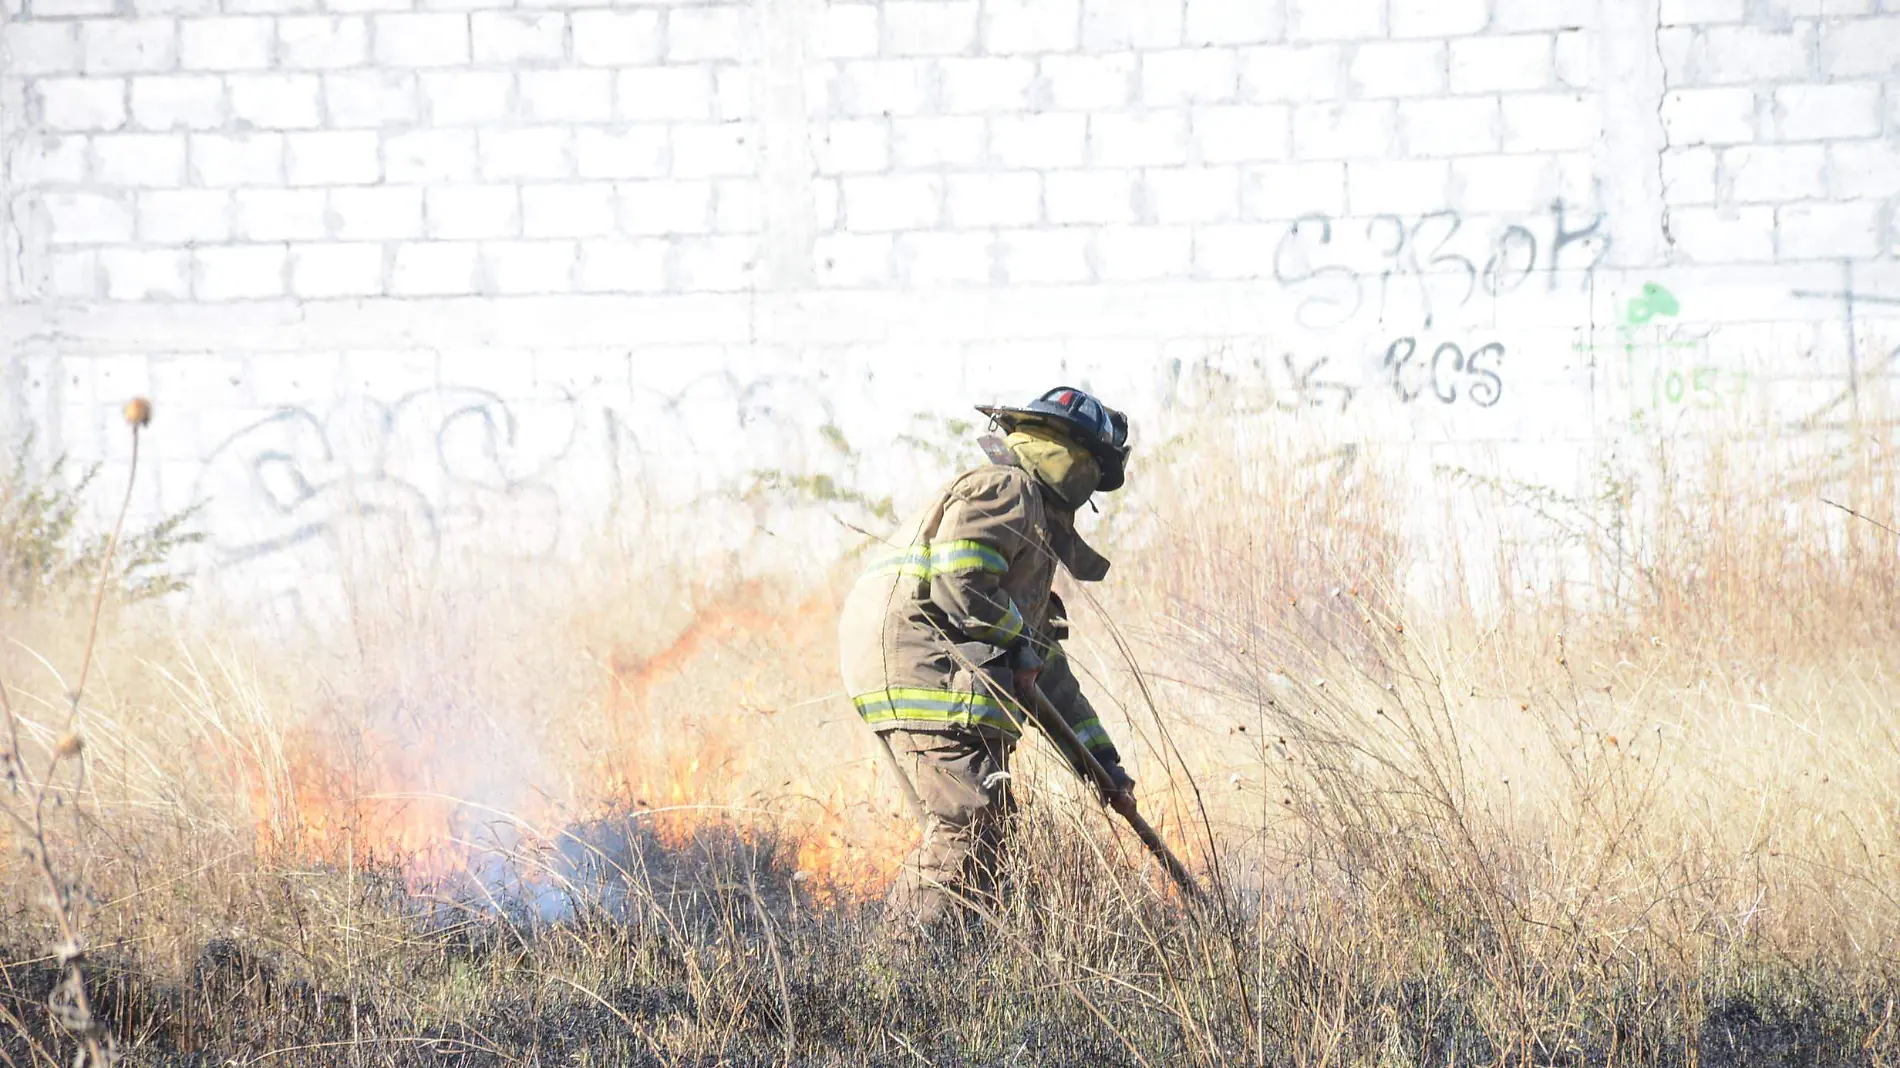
x: 47, y: 549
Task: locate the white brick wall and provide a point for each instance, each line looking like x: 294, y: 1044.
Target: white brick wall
x: 461, y: 212
x: 1724, y: 235
x: 1241, y: 133
x: 320, y: 42
x: 1213, y: 22
x: 1400, y: 68
x: 466, y: 123
x: 1492, y: 64
x: 185, y: 217
x: 467, y: 98
x: 81, y: 104
x: 319, y: 271
x: 1365, y: 130
x: 1458, y: 126
x: 1438, y: 18
x: 1013, y: 27
x: 667, y: 207
x: 145, y: 274
x: 1323, y: 20
x: 1709, y: 116
x: 371, y: 99
x: 270, y: 215
x: 276, y: 101
x: 243, y: 272
x: 1507, y: 183
x: 421, y: 40
x: 182, y: 154
x: 613, y: 265
x: 1110, y: 25
x: 382, y: 213
x: 434, y: 268
x: 1291, y: 190
x: 617, y: 38
x: 1827, y: 112
x: 989, y: 84
x: 163, y: 102
x: 1550, y: 122
x: 1402, y: 187
x: 237, y: 160
x: 1180, y: 76
x: 1039, y: 141
x: 1194, y: 194
x: 1774, y: 173
x: 128, y: 46
x: 1292, y: 74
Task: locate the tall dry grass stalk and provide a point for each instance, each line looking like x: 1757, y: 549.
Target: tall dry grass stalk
x: 1607, y: 780
x: 34, y: 787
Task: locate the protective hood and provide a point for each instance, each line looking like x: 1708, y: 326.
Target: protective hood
x: 1077, y: 555
x: 1067, y: 469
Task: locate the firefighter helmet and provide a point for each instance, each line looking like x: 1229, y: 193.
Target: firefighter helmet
x: 1095, y: 426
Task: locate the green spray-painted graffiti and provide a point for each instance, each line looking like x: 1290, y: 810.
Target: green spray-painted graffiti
x: 1656, y: 302
x: 1678, y: 370
x: 1668, y: 369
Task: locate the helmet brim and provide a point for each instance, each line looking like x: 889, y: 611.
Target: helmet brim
x: 1009, y: 418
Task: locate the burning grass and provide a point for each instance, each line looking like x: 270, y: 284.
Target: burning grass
x: 1606, y: 781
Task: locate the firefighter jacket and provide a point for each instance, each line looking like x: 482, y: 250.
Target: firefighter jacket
x: 927, y: 632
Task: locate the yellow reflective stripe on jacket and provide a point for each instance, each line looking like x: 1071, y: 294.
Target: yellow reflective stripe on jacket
x: 949, y: 557
x: 947, y: 707
x: 1003, y: 631
x: 945, y: 558
x: 1090, y: 733
x: 915, y: 565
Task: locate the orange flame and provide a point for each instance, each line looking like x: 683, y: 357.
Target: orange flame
x: 370, y: 803
x: 685, y: 741
x: 834, y: 858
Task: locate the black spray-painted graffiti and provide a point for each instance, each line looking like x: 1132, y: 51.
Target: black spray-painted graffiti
x: 1412, y: 271
x: 1433, y: 261
x: 1415, y: 371
x: 424, y: 462
x: 1305, y: 389
x: 465, y: 466
x: 1449, y: 369
x: 1257, y: 384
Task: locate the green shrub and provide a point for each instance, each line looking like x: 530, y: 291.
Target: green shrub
x: 47, y: 549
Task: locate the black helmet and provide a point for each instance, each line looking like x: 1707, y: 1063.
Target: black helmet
x: 1095, y: 426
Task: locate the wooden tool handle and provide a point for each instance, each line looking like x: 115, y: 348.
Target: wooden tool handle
x: 1058, y: 728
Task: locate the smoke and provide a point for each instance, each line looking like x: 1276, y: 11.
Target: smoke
x: 540, y: 749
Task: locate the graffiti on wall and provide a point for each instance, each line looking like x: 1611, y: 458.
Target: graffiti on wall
x: 458, y: 469
x: 1448, y: 371
x: 1388, y: 315
x: 1669, y: 370
x: 1427, y: 267
x: 1392, y: 310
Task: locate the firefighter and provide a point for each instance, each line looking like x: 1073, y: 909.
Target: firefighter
x: 954, y: 622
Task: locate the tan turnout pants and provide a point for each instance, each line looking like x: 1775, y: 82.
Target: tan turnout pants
x: 963, y: 780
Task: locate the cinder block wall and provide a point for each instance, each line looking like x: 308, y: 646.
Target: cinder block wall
x: 551, y: 262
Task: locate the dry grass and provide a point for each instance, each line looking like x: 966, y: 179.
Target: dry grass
x: 1602, y: 781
